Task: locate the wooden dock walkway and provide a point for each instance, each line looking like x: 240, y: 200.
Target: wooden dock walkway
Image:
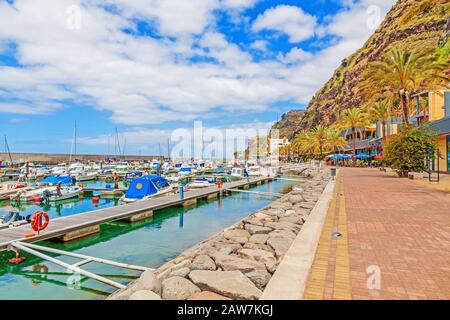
x: 62, y: 226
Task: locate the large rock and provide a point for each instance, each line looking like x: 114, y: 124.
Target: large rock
x: 283, y: 225
x: 240, y: 240
x: 258, y: 238
x: 252, y: 229
x: 307, y: 205
x: 144, y: 295
x: 297, y: 219
x: 294, y: 199
x: 203, y: 262
x: 283, y: 233
x: 235, y: 233
x: 208, y: 295
x: 258, y: 246
x: 275, y: 212
x: 147, y: 281
x: 178, y: 288
x: 281, y: 205
x: 259, y: 277
x: 232, y: 284
x: 263, y: 256
x: 231, y: 263
x: 183, y: 272
x: 254, y: 220
x: 264, y: 216
x: 279, y: 244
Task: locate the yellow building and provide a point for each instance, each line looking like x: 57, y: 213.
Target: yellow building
x: 437, y: 113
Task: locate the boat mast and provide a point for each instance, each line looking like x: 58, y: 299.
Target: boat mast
x: 73, y: 148
x: 7, y: 149
x: 168, y: 149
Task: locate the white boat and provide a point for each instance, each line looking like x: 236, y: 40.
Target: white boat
x: 254, y: 171
x: 185, y: 171
x: 66, y: 193
x: 147, y: 187
x: 85, y: 176
x: 12, y: 219
x: 201, y: 183
x: 238, y: 172
x: 155, y: 164
x: 30, y: 195
x: 10, y: 188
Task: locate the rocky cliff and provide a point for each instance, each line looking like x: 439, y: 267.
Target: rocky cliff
x: 412, y: 24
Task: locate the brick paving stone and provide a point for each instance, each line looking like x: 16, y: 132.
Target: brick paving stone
x: 393, y: 225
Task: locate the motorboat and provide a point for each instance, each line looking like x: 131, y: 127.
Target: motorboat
x: 155, y: 164
x: 146, y: 187
x: 219, y: 172
x: 201, y: 183
x: 185, y: 171
x: 85, y: 176
x: 9, y: 188
x: 239, y: 172
x: 254, y: 171
x: 12, y: 219
x: 65, y: 193
x: 30, y: 195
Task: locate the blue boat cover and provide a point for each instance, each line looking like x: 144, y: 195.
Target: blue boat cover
x: 57, y: 179
x: 219, y: 170
x: 145, y: 186
x: 185, y: 169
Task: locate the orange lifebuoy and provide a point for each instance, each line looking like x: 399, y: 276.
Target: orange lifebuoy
x: 37, y: 224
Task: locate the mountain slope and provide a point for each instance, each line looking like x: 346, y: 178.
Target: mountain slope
x: 423, y: 25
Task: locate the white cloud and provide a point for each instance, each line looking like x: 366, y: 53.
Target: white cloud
x: 142, y: 80
x: 260, y: 45
x: 291, y: 20
x: 295, y: 55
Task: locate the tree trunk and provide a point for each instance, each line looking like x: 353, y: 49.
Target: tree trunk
x: 405, y: 106
x: 354, y: 144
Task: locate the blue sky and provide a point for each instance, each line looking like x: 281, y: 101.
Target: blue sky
x: 149, y: 67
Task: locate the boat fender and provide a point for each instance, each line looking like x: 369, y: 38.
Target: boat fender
x: 40, y: 221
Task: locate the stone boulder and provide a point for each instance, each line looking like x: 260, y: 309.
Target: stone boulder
x: 263, y: 256
x: 236, y: 233
x: 264, y: 216
x: 144, y: 295
x: 258, y: 246
x: 258, y: 238
x: 231, y: 263
x: 252, y: 229
x: 259, y: 277
x: 183, y: 272
x: 148, y: 281
x: 203, y: 262
x: 296, y: 198
x: 178, y: 288
x: 231, y: 284
x: 283, y: 233
x: 283, y: 225
x: 280, y: 244
x: 254, y: 220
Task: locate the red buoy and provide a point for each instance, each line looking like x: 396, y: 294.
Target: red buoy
x: 37, y: 199
x: 95, y: 200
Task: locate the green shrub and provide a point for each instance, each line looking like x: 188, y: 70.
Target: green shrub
x: 408, y: 150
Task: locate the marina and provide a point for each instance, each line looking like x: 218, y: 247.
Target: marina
x: 149, y: 242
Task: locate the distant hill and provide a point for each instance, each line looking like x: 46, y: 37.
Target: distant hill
x: 289, y: 124
x: 423, y: 25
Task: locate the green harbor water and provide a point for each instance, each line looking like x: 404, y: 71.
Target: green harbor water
x: 148, y: 243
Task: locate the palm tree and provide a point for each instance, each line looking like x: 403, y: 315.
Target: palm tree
x: 380, y: 112
x: 335, y: 140
x: 353, y: 119
x: 400, y: 74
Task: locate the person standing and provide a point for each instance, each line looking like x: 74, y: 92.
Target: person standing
x: 116, y: 180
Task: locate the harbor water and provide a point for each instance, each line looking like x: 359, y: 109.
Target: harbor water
x: 148, y: 243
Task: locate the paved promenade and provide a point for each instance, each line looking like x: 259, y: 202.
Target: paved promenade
x: 395, y: 241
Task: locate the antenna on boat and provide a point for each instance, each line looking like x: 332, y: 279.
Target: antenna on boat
x: 7, y: 150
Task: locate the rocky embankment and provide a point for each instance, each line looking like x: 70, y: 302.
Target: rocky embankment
x: 238, y: 262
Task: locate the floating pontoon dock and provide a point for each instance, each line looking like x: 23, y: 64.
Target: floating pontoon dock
x: 88, y: 223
